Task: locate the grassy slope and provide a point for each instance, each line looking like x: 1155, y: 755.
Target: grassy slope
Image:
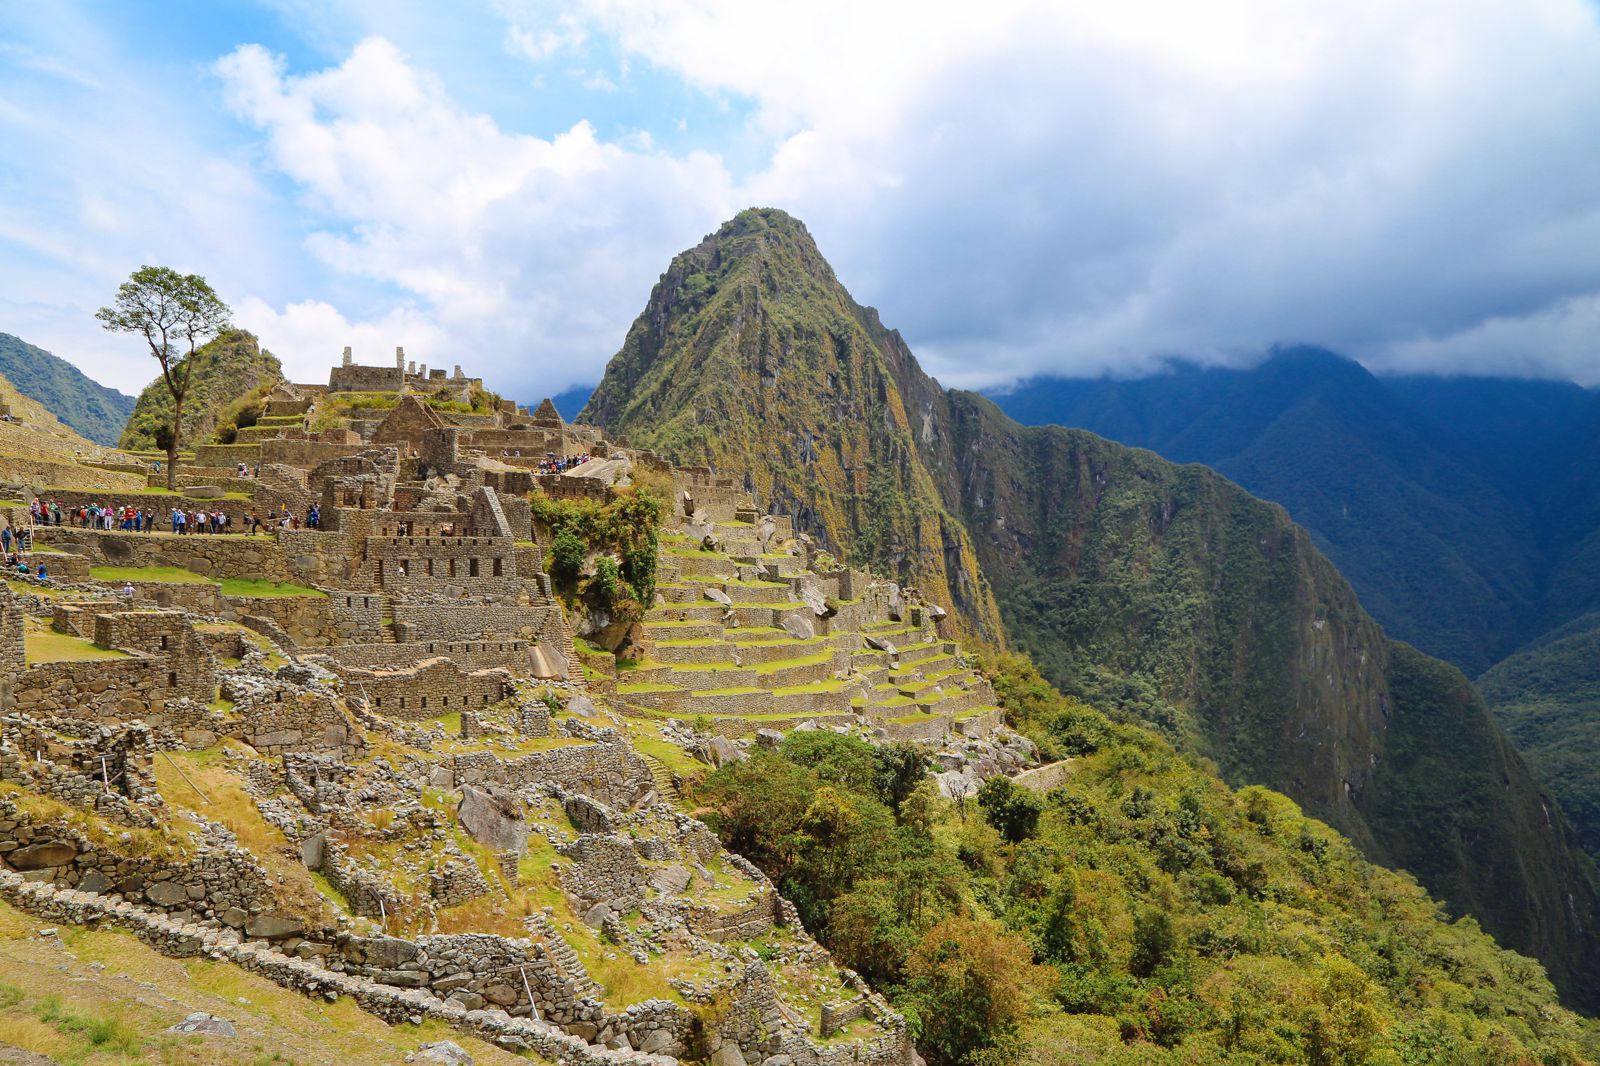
x: 97, y: 412
x: 225, y: 369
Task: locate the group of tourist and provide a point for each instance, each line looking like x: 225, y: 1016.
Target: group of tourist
x: 129, y: 518
x: 551, y: 464
x: 16, y: 564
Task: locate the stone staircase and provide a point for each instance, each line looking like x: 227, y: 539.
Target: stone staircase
x: 666, y: 782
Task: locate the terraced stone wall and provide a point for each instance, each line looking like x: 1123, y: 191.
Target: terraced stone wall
x: 230, y: 555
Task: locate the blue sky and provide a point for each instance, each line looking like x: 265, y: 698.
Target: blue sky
x: 1021, y: 188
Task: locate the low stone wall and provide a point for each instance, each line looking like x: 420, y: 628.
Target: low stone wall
x: 426, y: 622
x: 208, y: 883
x: 427, y: 689
x: 121, y: 687
x: 309, y: 620
x: 511, y: 655
x: 185, y: 940
x: 1046, y: 777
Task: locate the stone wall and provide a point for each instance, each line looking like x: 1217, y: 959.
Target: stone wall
x: 427, y: 689
x: 227, y: 555
x: 204, y: 884
x: 394, y: 1004
x: 611, y: 773
x: 432, y: 622
x: 433, y: 566
x: 191, y: 671
x: 510, y: 655
x: 122, y: 688
x: 309, y: 620
x: 356, y: 378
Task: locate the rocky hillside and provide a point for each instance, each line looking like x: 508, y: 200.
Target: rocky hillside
x: 90, y: 408
x: 225, y: 369
x: 1166, y: 592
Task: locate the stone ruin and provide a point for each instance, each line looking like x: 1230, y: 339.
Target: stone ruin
x: 468, y: 828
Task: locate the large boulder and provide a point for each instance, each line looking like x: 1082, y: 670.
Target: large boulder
x: 441, y: 1053
x: 718, y: 596
x: 797, y: 626
x: 494, y: 817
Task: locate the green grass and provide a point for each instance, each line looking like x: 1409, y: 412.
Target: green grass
x: 43, y: 645
x: 167, y: 575
x: 254, y: 587
x: 814, y: 687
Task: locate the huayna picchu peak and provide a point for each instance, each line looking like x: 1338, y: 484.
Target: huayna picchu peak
x: 785, y: 709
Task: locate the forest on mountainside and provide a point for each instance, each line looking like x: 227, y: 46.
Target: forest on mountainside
x: 1141, y: 912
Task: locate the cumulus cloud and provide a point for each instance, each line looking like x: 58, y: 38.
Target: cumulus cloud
x: 522, y: 255
x: 1084, y: 188
x: 1019, y: 187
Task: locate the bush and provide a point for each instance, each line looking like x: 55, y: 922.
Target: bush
x: 1012, y: 810
x: 567, y: 553
x: 607, y: 582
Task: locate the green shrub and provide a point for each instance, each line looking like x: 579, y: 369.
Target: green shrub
x: 567, y: 553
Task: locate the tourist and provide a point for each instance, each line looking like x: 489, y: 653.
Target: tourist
x: 178, y: 520
x: 5, y: 541
x: 55, y: 512
x: 43, y: 576
x: 127, y: 592
x: 314, y: 517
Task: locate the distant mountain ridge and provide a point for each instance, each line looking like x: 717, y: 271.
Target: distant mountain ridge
x: 97, y: 412
x: 1164, y: 592
x: 1446, y: 502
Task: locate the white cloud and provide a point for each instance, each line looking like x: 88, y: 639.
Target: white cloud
x: 1089, y: 187
x: 1022, y: 187
x: 309, y: 337
x: 526, y: 256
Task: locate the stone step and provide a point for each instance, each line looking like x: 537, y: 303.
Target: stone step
x: 808, y: 673
x: 754, y: 653
x: 702, y: 564
x: 689, y: 653
x: 698, y: 611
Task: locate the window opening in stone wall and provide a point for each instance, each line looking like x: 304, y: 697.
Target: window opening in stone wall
x: 497, y: 567
x: 472, y: 567
x: 172, y: 679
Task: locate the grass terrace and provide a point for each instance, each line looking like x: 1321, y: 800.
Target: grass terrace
x: 166, y: 575
x: 42, y: 644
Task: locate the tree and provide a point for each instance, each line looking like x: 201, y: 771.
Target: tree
x: 175, y: 313
x: 1011, y: 809
x: 970, y: 985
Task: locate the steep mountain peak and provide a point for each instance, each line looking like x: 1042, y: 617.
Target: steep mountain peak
x: 748, y: 349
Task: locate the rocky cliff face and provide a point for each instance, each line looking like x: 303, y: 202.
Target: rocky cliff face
x: 1165, y: 592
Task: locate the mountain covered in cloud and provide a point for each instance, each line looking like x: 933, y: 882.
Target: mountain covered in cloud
x: 1453, y: 505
